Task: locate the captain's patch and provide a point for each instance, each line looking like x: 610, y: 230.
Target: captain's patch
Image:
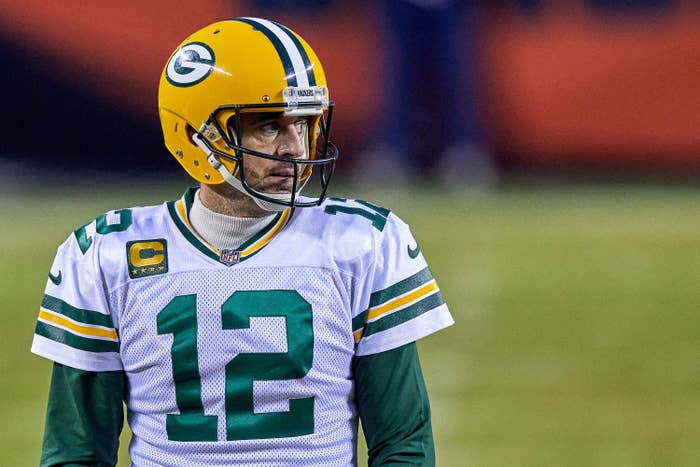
x: 147, y: 257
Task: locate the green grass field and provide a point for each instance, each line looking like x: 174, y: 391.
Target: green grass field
x: 577, y: 340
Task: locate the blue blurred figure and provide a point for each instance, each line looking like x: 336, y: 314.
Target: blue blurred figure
x: 429, y: 119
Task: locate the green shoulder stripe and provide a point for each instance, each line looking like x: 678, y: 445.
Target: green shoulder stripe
x: 404, y: 315
x: 358, y: 322
x: 401, y: 287
x: 77, y: 342
x: 76, y: 314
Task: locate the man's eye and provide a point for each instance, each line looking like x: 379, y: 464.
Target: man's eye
x: 269, y: 128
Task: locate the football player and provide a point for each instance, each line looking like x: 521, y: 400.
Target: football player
x: 244, y: 323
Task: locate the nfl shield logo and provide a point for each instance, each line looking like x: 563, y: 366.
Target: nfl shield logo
x: 230, y: 257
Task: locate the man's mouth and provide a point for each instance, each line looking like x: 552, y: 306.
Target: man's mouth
x: 281, y: 180
x: 283, y: 173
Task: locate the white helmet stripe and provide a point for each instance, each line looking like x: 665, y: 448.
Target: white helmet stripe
x: 297, y: 62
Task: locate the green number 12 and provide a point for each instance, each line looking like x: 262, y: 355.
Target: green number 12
x: 179, y: 318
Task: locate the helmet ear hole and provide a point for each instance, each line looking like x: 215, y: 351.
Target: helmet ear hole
x: 190, y: 133
x: 233, y: 127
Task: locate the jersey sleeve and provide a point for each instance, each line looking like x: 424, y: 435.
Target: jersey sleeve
x: 401, y: 302
x: 75, y: 327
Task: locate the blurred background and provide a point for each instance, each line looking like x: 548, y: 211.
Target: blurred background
x: 545, y: 153
x: 568, y: 86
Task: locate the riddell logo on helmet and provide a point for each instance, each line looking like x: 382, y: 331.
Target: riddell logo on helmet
x: 190, y: 64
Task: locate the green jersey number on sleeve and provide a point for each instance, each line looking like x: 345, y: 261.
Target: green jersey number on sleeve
x: 102, y: 228
x: 179, y: 318
x: 376, y: 214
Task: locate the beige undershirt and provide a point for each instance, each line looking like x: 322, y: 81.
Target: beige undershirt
x: 222, y: 231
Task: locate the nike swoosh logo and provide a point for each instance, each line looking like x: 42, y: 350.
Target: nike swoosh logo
x: 55, y: 279
x: 413, y: 252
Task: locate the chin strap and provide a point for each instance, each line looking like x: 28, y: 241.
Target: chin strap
x: 236, y: 183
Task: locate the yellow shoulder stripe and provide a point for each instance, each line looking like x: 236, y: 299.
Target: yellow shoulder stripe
x: 78, y: 328
x: 398, y: 302
x: 358, y: 334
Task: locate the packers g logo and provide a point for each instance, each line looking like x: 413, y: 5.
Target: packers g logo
x: 190, y: 64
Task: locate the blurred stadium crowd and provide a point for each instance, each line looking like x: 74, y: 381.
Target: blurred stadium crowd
x: 448, y: 88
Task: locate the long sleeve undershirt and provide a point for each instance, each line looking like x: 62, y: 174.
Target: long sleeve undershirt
x: 84, y: 417
x: 394, y: 409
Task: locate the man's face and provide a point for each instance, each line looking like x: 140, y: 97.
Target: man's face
x: 280, y: 136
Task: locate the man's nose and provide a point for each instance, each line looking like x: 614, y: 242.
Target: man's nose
x: 291, y: 143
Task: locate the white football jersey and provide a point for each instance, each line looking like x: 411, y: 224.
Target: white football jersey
x: 238, y: 357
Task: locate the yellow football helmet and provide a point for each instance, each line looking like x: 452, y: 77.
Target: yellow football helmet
x: 244, y: 65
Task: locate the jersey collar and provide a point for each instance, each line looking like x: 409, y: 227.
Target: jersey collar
x: 180, y: 212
